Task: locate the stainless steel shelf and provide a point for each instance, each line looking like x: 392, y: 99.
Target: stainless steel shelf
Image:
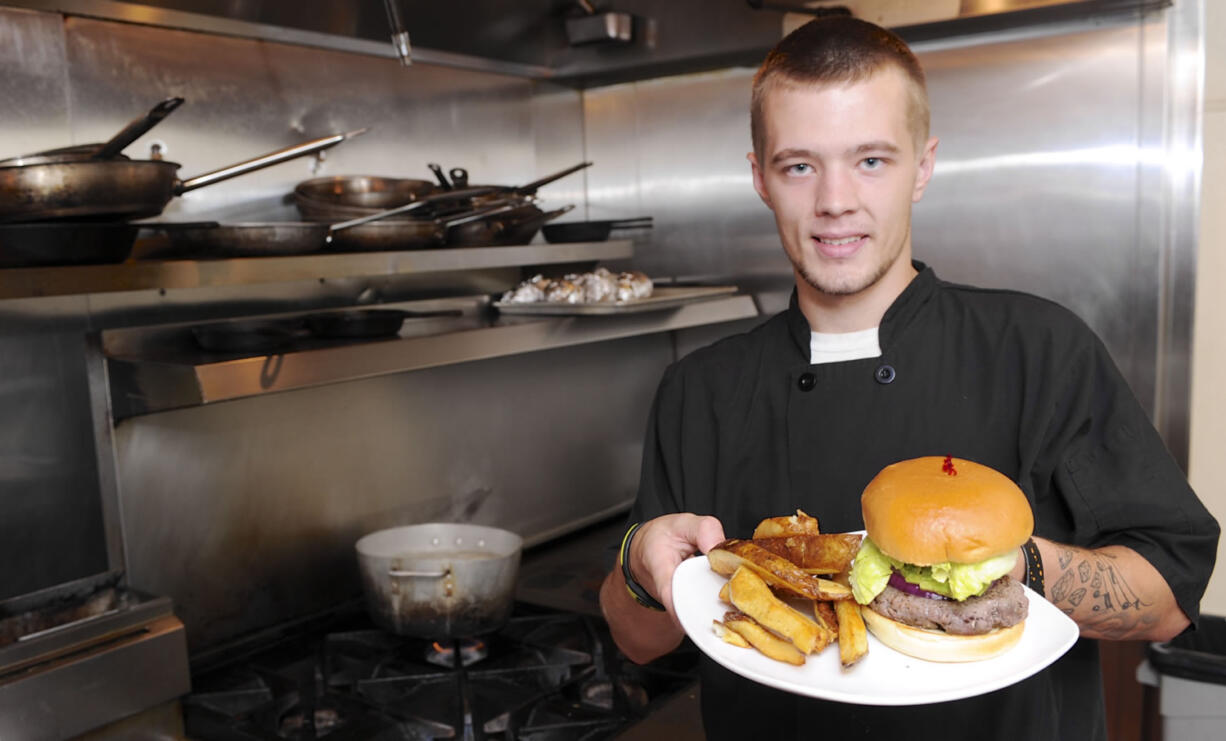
x: 188, y: 377
x: 26, y: 283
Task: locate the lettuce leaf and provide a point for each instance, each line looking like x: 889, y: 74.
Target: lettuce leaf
x: 870, y: 570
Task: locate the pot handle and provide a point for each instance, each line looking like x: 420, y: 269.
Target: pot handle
x: 401, y: 574
x: 267, y: 160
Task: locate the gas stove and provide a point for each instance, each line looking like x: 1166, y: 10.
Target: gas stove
x: 547, y: 674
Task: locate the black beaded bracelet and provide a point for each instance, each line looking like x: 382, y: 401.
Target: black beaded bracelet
x: 636, y: 590
x: 1034, y: 566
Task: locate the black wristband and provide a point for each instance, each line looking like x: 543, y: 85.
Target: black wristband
x: 1034, y: 566
x: 636, y: 590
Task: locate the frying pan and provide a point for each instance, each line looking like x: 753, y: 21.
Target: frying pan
x: 72, y: 243
x: 416, y: 234
x: 591, y: 231
x: 517, y: 225
x: 443, y: 203
x: 247, y: 335
x: 525, y: 191
x: 359, y: 191
x: 366, y: 323
x: 119, y: 188
x: 211, y: 240
x: 135, y: 129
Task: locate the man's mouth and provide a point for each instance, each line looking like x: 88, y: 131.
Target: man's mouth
x: 836, y: 247
x: 840, y: 241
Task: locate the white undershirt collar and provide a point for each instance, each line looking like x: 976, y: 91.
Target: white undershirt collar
x: 826, y: 347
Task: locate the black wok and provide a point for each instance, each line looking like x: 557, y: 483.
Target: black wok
x: 118, y: 188
x: 591, y: 231
x: 74, y: 243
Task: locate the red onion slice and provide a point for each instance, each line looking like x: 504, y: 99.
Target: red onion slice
x: 898, y: 582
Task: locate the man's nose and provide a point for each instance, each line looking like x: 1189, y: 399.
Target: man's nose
x: 836, y: 193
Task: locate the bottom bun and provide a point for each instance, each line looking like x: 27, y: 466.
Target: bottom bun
x: 937, y: 645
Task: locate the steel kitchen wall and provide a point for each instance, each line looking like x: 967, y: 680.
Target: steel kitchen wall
x: 245, y: 512
x: 1049, y: 176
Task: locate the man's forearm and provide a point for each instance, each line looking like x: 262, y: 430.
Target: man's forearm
x: 1112, y: 592
x: 640, y: 633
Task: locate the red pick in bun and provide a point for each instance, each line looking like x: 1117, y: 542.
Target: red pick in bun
x: 942, y: 536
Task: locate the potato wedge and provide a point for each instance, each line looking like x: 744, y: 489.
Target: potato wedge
x: 725, y: 595
x: 826, y: 616
x: 816, y: 554
x: 727, y: 635
x: 853, y: 637
x: 776, y: 571
x: 751, y: 596
x: 762, y: 639
x: 797, y: 524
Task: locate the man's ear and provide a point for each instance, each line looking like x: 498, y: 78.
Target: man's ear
x: 758, y: 183
x: 923, y: 173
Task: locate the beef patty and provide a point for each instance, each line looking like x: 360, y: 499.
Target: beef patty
x: 1002, y: 605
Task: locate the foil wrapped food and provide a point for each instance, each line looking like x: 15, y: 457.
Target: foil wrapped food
x: 599, y: 286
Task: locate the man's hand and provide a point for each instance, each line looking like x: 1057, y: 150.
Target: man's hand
x: 659, y: 546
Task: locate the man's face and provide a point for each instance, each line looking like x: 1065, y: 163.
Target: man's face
x: 840, y: 169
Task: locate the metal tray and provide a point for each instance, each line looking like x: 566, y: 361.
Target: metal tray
x: 664, y: 297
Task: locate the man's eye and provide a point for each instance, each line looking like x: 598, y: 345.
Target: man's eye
x: 872, y: 163
x: 799, y: 168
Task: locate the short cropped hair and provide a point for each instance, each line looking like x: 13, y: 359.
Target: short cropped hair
x: 838, y: 49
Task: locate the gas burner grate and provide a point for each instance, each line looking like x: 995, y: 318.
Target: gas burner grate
x: 543, y: 676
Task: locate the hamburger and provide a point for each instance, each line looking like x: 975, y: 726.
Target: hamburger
x: 942, y: 535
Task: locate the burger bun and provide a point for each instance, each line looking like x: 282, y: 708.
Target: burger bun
x: 932, y: 510
x: 937, y: 645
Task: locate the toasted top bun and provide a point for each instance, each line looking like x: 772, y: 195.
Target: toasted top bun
x: 937, y: 645
x: 918, y: 512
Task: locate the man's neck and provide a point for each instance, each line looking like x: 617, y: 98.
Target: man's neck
x: 854, y: 312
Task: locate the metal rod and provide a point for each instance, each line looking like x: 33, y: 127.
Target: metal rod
x: 400, y: 37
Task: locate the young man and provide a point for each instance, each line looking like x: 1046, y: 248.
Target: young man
x: 876, y: 361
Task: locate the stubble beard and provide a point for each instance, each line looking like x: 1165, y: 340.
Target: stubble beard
x: 841, y: 283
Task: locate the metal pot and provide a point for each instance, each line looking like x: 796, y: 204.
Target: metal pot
x: 439, y: 580
x: 118, y: 188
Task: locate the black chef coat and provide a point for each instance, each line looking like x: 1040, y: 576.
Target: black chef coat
x: 747, y: 428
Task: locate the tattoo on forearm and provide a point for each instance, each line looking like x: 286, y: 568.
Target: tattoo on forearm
x: 1111, y: 606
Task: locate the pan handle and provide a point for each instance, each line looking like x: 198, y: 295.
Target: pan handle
x: 136, y: 129
x: 267, y: 160
x: 498, y: 208
x: 403, y: 574
x: 532, y: 187
x: 438, y: 174
x: 641, y: 222
x: 412, y: 206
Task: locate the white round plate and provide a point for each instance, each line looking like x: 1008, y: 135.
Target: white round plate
x: 883, y: 676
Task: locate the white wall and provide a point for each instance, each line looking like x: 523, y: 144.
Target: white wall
x: 1208, y: 407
